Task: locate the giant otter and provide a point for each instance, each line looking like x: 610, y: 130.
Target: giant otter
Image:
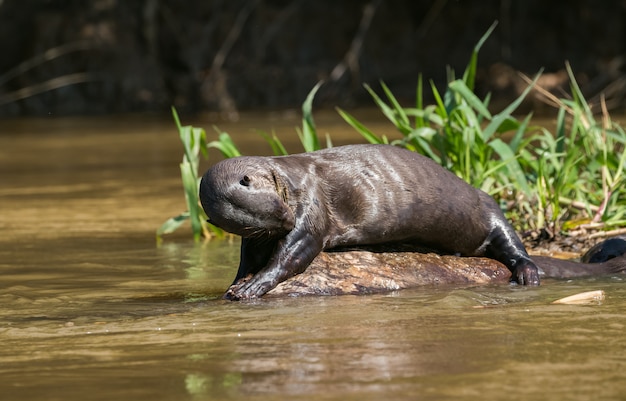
x: 288, y: 209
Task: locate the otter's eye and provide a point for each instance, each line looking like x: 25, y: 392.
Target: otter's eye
x: 245, y: 181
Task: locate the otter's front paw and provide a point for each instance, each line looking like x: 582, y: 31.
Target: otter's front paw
x: 253, y: 288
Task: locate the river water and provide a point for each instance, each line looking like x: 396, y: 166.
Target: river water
x: 91, y: 308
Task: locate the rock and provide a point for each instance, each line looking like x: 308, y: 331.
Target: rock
x: 394, y: 267
x: 365, y: 272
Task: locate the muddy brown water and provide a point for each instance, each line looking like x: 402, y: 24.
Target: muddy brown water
x: 91, y: 307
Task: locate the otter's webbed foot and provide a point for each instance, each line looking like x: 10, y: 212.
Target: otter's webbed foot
x: 526, y: 274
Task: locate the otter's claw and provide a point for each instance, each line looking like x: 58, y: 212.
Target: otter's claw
x: 253, y: 288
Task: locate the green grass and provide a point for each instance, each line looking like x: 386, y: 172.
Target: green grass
x: 577, y: 172
x: 554, y: 182
x: 194, y: 144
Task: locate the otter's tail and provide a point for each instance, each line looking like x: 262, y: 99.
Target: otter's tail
x: 558, y: 268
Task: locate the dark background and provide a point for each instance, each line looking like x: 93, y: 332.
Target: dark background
x: 111, y: 56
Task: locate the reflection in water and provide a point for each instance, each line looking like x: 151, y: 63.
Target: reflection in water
x: 91, y: 308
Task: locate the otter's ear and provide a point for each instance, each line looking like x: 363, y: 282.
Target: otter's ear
x: 280, y: 185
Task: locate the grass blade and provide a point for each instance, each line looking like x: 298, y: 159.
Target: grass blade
x: 578, y: 94
x: 387, y: 111
x: 398, y: 109
x: 419, y: 101
x: 506, y: 113
x: 466, y: 93
x: 506, y: 155
x: 277, y: 146
x: 441, y: 108
x: 190, y: 185
x: 225, y: 145
x: 469, y: 76
x: 361, y: 129
x: 172, y: 224
x: 309, y: 139
x: 518, y: 137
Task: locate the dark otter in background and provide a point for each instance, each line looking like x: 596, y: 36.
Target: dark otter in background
x: 605, y: 250
x: 288, y: 209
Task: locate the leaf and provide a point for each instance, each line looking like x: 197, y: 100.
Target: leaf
x: 427, y: 115
x: 465, y: 118
x: 508, y: 124
x: 172, y: 224
x: 512, y: 165
x: 277, y: 147
x: 309, y: 139
x: 441, y: 108
x: 423, y: 137
x: 175, y: 116
x: 192, y: 139
x: 516, y: 141
x: 466, y: 93
x: 198, y: 144
x: 401, y: 116
x: 361, y: 129
x: 419, y: 101
x: 578, y: 94
x: 190, y: 185
x: 387, y: 111
x: 469, y: 76
x: 506, y: 113
x: 225, y: 145
x: 185, y: 138
x: 329, y: 142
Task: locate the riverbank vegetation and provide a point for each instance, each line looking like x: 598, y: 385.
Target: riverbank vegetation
x: 551, y: 183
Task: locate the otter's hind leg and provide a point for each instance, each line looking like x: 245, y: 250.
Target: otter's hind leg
x: 504, y: 245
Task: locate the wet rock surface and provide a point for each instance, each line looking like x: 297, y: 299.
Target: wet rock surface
x: 363, y: 272
x: 389, y: 269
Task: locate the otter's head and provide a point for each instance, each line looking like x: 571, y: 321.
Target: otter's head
x: 245, y: 196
